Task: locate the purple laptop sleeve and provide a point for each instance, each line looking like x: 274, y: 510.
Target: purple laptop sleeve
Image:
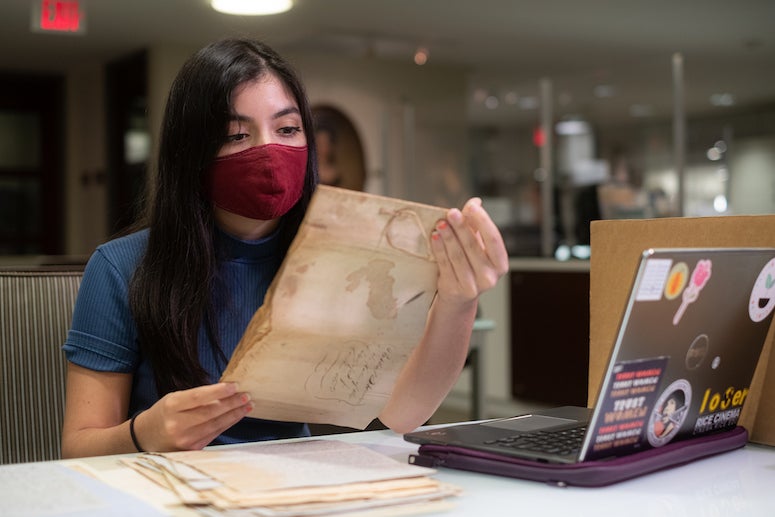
x: 587, y: 474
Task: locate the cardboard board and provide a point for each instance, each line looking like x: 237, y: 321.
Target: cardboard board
x: 616, y: 248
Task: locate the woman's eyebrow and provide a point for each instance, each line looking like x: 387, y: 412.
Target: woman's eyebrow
x: 291, y: 110
x: 236, y: 117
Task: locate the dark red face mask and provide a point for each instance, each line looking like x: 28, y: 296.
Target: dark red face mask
x: 262, y: 182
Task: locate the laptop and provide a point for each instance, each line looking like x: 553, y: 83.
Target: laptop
x: 681, y: 367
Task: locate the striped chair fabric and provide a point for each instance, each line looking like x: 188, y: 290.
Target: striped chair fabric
x: 36, y: 306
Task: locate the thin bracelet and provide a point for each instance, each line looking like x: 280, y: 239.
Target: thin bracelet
x: 133, y: 435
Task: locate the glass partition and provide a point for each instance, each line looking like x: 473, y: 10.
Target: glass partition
x: 620, y: 148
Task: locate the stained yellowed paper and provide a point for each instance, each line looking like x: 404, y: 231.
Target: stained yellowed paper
x: 308, y: 477
x: 344, y: 312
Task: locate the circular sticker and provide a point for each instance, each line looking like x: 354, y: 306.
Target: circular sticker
x: 676, y: 280
x: 763, y: 293
x: 669, y: 413
x: 697, y: 351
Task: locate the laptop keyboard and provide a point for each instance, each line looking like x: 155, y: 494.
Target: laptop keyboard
x: 565, y: 441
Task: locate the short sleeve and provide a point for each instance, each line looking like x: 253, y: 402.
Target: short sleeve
x: 103, y: 335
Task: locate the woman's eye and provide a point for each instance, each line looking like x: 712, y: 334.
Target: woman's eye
x: 236, y: 137
x: 290, y: 130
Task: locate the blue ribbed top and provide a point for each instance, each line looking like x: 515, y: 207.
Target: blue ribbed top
x: 103, y: 335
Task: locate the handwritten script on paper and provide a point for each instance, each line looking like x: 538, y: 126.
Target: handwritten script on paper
x: 343, y: 314
x: 347, y: 375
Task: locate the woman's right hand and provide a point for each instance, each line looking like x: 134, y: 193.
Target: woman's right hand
x: 96, y: 424
x: 191, y: 419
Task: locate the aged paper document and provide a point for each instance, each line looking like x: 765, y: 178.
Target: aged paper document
x: 309, y: 477
x: 344, y: 312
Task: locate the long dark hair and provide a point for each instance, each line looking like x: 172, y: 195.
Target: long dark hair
x: 172, y: 291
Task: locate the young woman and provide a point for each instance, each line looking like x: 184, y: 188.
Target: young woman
x: 161, y: 309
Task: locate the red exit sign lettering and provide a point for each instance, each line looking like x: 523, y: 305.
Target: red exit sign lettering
x: 63, y: 16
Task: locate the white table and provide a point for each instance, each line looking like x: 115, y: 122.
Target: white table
x: 738, y: 483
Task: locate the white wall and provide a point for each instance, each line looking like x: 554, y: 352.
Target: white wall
x: 752, y: 176
x: 411, y: 119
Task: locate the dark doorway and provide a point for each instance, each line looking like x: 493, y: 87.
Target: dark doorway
x: 128, y: 139
x: 31, y: 164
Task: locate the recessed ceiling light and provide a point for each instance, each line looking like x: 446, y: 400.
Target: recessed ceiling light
x: 572, y: 127
x: 713, y: 154
x: 421, y: 56
x: 491, y: 102
x: 527, y: 103
x: 251, y: 7
x: 641, y: 110
x: 511, y: 98
x: 480, y: 95
x: 722, y: 99
x: 604, y: 91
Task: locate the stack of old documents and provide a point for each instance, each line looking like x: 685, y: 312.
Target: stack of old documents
x: 312, y: 477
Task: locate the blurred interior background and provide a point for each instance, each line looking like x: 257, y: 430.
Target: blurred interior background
x: 554, y: 112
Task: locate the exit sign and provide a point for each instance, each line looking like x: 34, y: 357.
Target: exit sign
x: 60, y: 16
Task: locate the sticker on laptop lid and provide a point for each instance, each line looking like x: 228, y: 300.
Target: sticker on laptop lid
x: 763, y: 293
x: 676, y: 280
x: 697, y: 352
x: 720, y: 410
x: 626, y: 404
x: 669, y: 413
x: 700, y: 277
x: 652, y: 282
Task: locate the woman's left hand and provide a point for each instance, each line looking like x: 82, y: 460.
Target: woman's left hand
x: 470, y: 253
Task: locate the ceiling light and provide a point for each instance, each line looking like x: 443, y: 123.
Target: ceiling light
x: 527, y: 103
x: 421, y: 56
x: 713, y: 154
x: 722, y: 99
x: 572, y: 127
x: 720, y: 204
x: 251, y: 7
x: 604, y: 91
x: 480, y: 95
x: 641, y: 110
x: 511, y: 98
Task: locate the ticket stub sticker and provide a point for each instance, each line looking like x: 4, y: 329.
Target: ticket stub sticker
x: 626, y: 405
x: 652, y: 282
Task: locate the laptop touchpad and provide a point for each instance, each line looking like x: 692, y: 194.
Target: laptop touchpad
x: 528, y: 423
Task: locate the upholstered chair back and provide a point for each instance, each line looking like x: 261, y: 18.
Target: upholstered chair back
x: 36, y: 307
